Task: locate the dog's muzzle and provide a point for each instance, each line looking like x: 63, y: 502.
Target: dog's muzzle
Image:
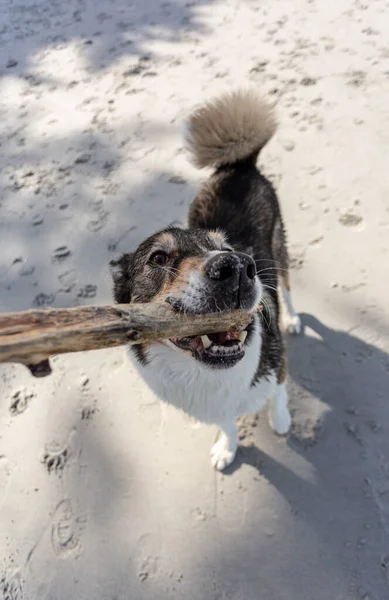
x: 232, y: 277
x: 228, y: 282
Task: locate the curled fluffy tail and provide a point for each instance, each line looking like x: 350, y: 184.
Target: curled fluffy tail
x: 232, y: 128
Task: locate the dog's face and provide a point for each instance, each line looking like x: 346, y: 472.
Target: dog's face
x: 196, y: 272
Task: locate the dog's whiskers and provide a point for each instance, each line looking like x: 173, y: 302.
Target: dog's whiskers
x: 268, y: 323
x: 169, y: 270
x: 268, y: 260
x: 270, y: 287
x: 275, y: 269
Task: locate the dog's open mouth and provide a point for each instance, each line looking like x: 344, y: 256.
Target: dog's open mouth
x: 217, y: 349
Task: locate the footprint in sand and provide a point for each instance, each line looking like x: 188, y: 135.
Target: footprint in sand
x: 88, y: 407
x: 11, y: 587
x: 55, y: 458
x: 20, y: 400
x: 68, y: 280
x: 42, y: 300
x: 5, y: 475
x: 60, y: 254
x: 66, y: 530
x: 88, y: 291
x: 351, y: 218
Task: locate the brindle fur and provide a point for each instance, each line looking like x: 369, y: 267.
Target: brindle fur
x: 243, y: 204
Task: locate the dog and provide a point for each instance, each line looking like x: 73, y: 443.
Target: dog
x: 232, y: 255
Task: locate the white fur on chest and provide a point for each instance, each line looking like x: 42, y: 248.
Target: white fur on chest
x: 212, y: 396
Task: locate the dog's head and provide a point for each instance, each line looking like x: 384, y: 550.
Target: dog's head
x: 195, y: 271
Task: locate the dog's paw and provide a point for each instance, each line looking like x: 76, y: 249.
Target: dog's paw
x: 292, y: 324
x: 280, y: 421
x: 222, y: 454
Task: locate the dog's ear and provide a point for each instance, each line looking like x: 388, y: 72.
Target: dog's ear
x: 122, y: 278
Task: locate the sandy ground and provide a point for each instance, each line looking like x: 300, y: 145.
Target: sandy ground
x: 104, y: 492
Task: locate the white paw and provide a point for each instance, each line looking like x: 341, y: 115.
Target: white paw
x: 280, y: 421
x: 222, y: 454
x: 292, y: 324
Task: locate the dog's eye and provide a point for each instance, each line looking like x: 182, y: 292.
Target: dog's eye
x: 159, y: 258
x: 227, y: 250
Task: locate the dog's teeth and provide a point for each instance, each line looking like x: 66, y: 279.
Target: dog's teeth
x: 206, y: 341
x: 242, y: 336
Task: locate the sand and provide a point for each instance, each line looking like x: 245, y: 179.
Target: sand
x: 104, y: 492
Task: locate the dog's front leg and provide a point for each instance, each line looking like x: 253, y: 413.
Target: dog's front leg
x: 224, y: 450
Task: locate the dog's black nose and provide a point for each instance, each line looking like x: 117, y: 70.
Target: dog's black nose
x: 231, y: 268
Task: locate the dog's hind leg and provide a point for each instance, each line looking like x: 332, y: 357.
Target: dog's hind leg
x: 279, y: 415
x: 290, y: 319
x: 223, y: 451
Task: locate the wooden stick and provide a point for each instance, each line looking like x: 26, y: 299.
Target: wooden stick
x: 32, y: 336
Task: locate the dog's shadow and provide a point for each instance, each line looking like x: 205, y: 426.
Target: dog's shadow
x: 349, y: 379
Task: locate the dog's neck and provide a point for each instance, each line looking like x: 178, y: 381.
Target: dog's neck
x: 200, y: 391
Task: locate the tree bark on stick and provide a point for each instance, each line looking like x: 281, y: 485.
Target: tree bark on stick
x: 32, y: 336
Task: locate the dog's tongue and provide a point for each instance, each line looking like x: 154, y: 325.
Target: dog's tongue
x: 221, y: 338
